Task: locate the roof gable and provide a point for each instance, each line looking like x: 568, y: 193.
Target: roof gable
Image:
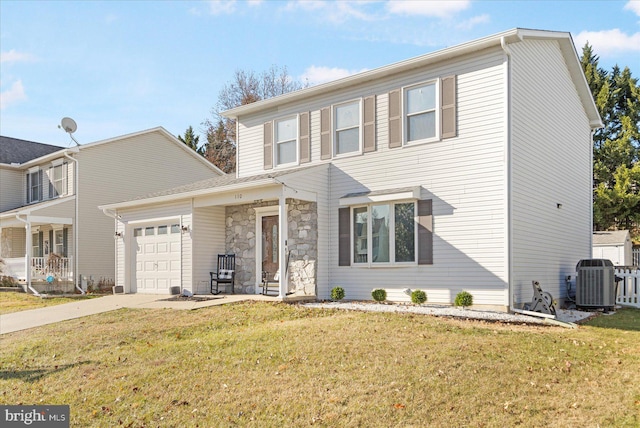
x: 497, y: 40
x: 613, y: 237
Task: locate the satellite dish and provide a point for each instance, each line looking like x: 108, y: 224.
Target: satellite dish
x: 69, y: 125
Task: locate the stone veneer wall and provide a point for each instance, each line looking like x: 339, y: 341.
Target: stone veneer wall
x: 240, y: 239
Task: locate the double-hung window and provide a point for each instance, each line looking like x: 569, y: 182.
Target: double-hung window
x: 384, y: 233
x: 58, y: 180
x: 347, y: 123
x: 286, y: 139
x: 34, y: 185
x: 421, y: 119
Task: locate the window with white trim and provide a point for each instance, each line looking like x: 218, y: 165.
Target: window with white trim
x: 58, y: 242
x: 58, y: 180
x: 286, y: 141
x: 34, y: 186
x: 347, y: 123
x: 384, y: 233
x: 421, y: 112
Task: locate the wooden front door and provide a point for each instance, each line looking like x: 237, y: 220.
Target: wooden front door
x: 270, y: 242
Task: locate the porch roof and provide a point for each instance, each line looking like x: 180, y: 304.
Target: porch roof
x: 9, y: 218
x: 213, y: 186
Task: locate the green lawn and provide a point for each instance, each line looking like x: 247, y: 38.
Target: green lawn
x: 11, y: 301
x: 265, y: 364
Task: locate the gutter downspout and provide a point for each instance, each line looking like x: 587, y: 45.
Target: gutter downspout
x: 548, y: 319
x: 76, y: 275
x: 114, y: 216
x: 27, y: 263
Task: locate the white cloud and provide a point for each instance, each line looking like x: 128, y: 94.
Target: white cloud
x: 434, y: 8
x: 634, y: 6
x: 12, y: 95
x: 335, y: 11
x: 609, y: 42
x: 222, y: 7
x: 13, y: 56
x: 316, y: 75
x: 468, y: 24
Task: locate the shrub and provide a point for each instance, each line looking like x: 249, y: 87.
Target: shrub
x: 8, y: 281
x: 463, y: 299
x: 379, y: 295
x: 337, y: 293
x: 418, y: 297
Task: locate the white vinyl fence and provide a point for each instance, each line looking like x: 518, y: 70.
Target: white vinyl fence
x: 629, y: 287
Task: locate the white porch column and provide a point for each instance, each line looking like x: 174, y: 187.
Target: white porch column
x: 27, y: 255
x: 283, y: 226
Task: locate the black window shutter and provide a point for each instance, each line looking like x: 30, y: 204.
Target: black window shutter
x: 40, y: 244
x: 344, y: 237
x: 51, y: 246
x: 425, y: 232
x: 65, y: 241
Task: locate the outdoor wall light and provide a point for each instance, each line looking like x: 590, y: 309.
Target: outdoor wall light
x: 118, y: 235
x: 559, y: 205
x: 184, y: 228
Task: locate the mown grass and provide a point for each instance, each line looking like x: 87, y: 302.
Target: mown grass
x: 13, y: 301
x: 265, y: 364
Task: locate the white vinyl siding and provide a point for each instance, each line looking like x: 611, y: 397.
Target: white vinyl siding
x: 209, y: 228
x: 464, y: 176
x: 13, y: 188
x: 120, y: 170
x: 550, y: 126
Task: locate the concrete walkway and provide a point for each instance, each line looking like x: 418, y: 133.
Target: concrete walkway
x: 23, y: 320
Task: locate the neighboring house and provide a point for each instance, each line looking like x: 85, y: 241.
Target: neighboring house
x: 465, y: 169
x: 50, y: 196
x: 613, y: 245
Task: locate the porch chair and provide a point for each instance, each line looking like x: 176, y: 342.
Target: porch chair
x: 270, y: 281
x: 225, y: 273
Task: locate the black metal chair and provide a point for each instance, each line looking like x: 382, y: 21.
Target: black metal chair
x: 225, y: 274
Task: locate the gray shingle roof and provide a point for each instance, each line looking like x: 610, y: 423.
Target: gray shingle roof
x: 14, y: 150
x: 612, y: 237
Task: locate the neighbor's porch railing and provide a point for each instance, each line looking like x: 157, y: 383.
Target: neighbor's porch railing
x: 629, y: 287
x: 636, y: 256
x: 42, y: 267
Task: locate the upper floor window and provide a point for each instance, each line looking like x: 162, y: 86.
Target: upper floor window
x: 347, y: 121
x: 286, y: 141
x: 34, y: 185
x: 58, y: 180
x: 421, y: 112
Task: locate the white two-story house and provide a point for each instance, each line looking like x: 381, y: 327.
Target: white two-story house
x: 468, y: 168
x: 50, y: 224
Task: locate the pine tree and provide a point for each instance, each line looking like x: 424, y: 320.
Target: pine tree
x: 191, y: 140
x: 616, y: 149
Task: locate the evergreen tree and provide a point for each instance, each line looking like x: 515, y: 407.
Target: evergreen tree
x: 192, y: 140
x: 616, y: 150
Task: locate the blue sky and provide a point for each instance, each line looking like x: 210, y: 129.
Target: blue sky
x: 119, y: 67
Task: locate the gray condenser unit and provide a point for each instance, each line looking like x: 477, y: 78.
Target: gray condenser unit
x: 595, y: 284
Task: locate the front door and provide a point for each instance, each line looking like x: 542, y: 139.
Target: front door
x: 270, y: 242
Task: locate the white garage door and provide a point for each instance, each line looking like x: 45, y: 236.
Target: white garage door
x: 157, y: 264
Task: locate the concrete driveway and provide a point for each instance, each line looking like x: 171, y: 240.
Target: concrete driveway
x: 23, y: 320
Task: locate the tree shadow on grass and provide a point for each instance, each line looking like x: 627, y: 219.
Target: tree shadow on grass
x: 32, y: 375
